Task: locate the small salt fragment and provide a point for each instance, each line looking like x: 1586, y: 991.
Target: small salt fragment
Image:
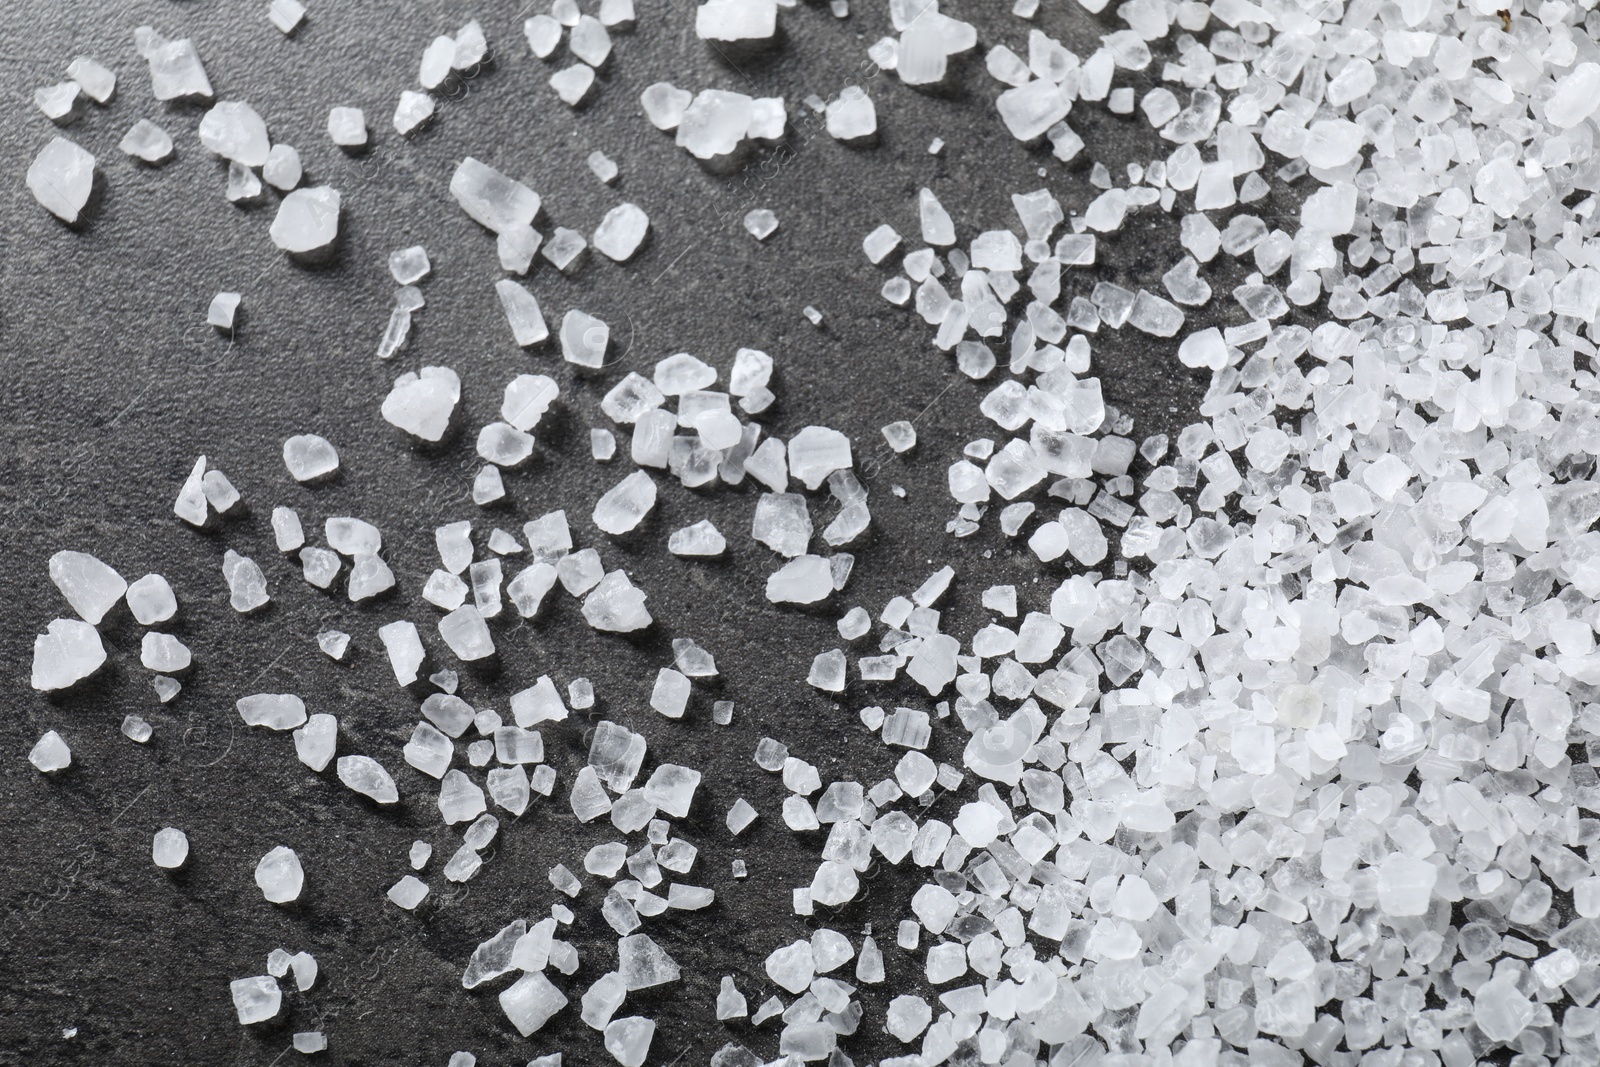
x: 282, y: 169
x: 701, y: 539
x: 761, y: 223
x: 333, y: 643
x: 316, y: 741
x: 221, y: 313
x: 366, y: 776
x: 98, y: 83
x: 421, y: 403
x: 247, y: 586
x: 135, y: 729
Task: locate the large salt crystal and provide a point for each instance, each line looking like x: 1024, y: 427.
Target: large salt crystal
x: 366, y: 776
x: 714, y: 124
x: 584, y: 339
x: 247, y: 586
x: 405, y: 650
x: 256, y: 1000
x: 626, y: 504
x: 146, y: 141
x: 169, y: 848
x: 98, y: 83
x: 1032, y: 109
x: 233, y: 130
x: 61, y: 178
x: 421, y: 403
x: 531, y: 1001
x: 1576, y: 97
x: 307, y: 220
x: 816, y: 452
x: 736, y: 21
x: 465, y: 631
x: 621, y: 232
x: 412, y: 111
x: 851, y: 116
x: 500, y: 203
x: 309, y: 457
x: 50, y: 753
x: 275, y: 711
x: 279, y: 875
x: 347, y: 127
x: 643, y: 963
x: 616, y: 605
x: 664, y: 105
x: 803, y: 580
x: 792, y: 967
x: 175, y: 70
x: 90, y: 586
x: 1501, y: 1010
x: 628, y: 1039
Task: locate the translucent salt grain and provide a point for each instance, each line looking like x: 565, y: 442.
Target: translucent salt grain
x: 279, y: 875
x: 347, y: 127
x: 256, y: 1000
x: 735, y: 21
x: 307, y: 220
x: 146, y: 141
x: 851, y: 116
x: 621, y: 232
x: 828, y: 672
x: 714, y: 124
x: 465, y: 631
x: 803, y: 580
x: 573, y: 83
x: 760, y: 223
x: 643, y: 964
x: 470, y: 47
x: 164, y: 653
x: 50, y: 753
x: 61, y: 177
x: 309, y: 457
x: 286, y: 15
x: 626, y: 504
x: 58, y: 102
x: 531, y: 1001
x: 169, y: 848
x: 901, y: 436
x: 98, y: 83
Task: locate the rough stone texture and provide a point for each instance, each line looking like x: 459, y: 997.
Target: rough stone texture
x: 114, y: 419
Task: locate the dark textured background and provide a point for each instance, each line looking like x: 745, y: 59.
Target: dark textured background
x: 113, y: 384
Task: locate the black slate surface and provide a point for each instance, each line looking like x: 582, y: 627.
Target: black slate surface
x: 113, y: 385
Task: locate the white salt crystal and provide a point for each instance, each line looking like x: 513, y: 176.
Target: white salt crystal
x: 347, y: 127
x: 164, y: 653
x: 175, y: 70
x: 880, y: 242
x: 57, y: 101
x: 279, y: 875
x: 421, y: 403
x: 816, y: 452
x: 50, y: 753
x: 366, y: 776
x: 90, y: 586
x: 490, y: 197
x: 169, y: 848
x: 61, y: 177
x: 234, y: 131
x: 97, y: 82
x: 736, y: 21
x: 309, y: 457
x: 286, y: 15
x: 470, y: 47
x: 664, y: 105
x: 307, y: 220
x: 761, y: 223
x: 465, y: 631
x: 408, y: 892
x: 411, y: 111
x: 405, y: 650
x: 573, y: 83
x: 243, y: 185
x: 531, y: 1001
x: 621, y: 232
x: 626, y: 504
x: 851, y: 116
x: 256, y: 1000
x: 628, y: 1040
x: 135, y: 729
x: 644, y: 964
x: 315, y: 742
x: 701, y: 539
x: 714, y: 124
x: 146, y: 141
x: 803, y: 580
